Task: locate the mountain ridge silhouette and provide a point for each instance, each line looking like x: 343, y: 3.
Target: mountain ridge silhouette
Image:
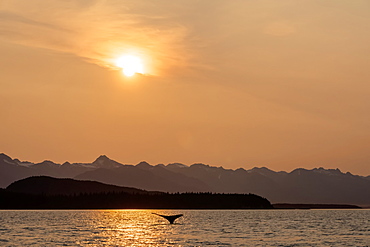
x: 318, y: 185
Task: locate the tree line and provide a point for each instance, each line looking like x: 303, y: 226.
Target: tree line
x: 122, y: 200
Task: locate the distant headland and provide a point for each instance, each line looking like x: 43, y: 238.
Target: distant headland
x: 54, y: 193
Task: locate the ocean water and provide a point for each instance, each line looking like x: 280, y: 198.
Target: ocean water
x: 195, y: 228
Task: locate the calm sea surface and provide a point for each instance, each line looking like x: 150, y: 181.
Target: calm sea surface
x: 196, y: 228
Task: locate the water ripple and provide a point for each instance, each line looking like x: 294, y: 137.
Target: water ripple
x: 196, y: 228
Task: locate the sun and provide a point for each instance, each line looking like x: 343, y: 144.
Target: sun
x: 130, y: 65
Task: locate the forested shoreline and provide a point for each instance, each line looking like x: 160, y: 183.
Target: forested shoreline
x: 122, y: 200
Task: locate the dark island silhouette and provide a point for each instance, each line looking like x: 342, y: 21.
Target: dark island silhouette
x: 170, y: 218
x: 55, y: 193
x: 44, y: 185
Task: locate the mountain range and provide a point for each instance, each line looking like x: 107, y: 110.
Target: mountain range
x: 317, y: 185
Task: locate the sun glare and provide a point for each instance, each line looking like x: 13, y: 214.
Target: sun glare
x: 130, y: 65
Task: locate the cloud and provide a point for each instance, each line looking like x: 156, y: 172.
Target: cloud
x: 98, y: 31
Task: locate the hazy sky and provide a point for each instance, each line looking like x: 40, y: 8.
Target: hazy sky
x: 281, y: 84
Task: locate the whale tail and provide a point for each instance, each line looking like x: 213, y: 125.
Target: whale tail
x: 170, y: 218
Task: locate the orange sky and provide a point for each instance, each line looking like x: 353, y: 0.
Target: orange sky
x: 281, y: 84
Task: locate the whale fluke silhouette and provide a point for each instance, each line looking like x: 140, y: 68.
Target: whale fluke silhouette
x: 170, y: 218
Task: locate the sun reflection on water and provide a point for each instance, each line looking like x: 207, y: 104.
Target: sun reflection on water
x: 129, y: 228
